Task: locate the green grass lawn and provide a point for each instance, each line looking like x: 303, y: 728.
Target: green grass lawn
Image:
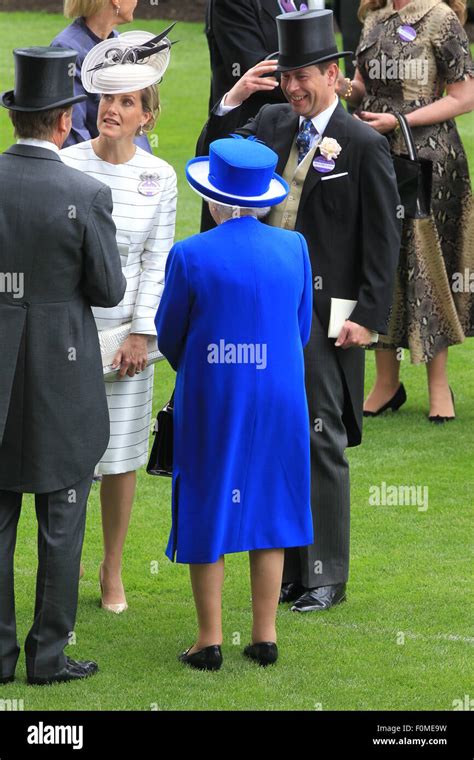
x: 403, y: 639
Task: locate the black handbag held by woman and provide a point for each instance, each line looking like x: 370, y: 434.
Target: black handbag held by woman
x: 161, y: 457
x: 414, y: 176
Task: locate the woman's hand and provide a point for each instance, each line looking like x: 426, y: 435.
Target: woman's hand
x: 132, y: 356
x: 382, y: 122
x: 342, y: 85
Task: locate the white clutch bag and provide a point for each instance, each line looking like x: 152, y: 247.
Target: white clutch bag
x: 111, y: 340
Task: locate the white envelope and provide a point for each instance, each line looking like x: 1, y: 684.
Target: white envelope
x: 341, y: 309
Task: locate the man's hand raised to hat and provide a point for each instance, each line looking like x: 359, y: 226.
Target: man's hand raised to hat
x: 253, y: 81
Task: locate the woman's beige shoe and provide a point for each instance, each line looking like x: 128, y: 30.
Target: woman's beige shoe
x: 81, y: 571
x: 116, y: 608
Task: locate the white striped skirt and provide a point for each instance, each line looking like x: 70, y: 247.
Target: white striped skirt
x: 130, y: 408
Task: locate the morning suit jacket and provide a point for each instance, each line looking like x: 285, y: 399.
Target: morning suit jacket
x: 350, y: 223
x: 56, y: 229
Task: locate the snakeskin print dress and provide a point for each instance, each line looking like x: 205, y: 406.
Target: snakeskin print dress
x: 406, y: 59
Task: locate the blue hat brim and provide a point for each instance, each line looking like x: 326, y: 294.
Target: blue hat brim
x: 197, y: 174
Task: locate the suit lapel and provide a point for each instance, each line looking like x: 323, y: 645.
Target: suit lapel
x: 285, y: 131
x: 336, y: 128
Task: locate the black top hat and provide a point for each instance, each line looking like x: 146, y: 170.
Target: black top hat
x: 44, y: 79
x: 306, y: 38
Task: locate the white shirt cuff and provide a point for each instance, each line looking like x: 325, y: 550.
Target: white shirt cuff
x: 222, y: 109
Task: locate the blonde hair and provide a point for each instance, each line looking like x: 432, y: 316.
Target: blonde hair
x: 458, y: 6
x: 76, y: 8
x: 151, y: 104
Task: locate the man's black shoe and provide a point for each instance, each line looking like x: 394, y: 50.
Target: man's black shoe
x: 321, y: 598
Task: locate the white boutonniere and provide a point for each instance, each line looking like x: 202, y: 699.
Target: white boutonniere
x: 329, y: 148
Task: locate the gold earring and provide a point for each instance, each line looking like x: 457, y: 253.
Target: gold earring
x: 141, y: 130
x: 117, y: 8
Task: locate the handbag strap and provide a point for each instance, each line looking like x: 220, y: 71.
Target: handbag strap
x: 407, y: 136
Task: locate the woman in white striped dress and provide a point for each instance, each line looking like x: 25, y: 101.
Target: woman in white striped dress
x: 144, y: 195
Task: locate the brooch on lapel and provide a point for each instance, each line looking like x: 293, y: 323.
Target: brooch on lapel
x: 149, y: 184
x: 406, y: 33
x: 329, y: 149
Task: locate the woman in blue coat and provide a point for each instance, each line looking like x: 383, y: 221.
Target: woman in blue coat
x: 234, y: 317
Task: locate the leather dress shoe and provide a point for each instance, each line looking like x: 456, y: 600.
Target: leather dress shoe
x: 209, y: 658
x: 264, y: 652
x: 290, y: 591
x: 321, y: 598
x: 7, y: 679
x: 73, y: 671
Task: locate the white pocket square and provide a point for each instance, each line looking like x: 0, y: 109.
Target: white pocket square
x: 334, y: 176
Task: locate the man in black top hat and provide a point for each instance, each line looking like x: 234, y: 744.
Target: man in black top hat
x: 343, y: 198
x: 58, y: 257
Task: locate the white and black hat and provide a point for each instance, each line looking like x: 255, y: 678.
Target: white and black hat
x: 130, y: 62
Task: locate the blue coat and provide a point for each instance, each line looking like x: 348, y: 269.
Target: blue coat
x: 233, y: 319
x: 77, y: 36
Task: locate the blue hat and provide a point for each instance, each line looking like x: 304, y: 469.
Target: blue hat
x: 238, y: 172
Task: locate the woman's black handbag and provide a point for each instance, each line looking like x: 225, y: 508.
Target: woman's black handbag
x: 414, y: 176
x: 161, y: 457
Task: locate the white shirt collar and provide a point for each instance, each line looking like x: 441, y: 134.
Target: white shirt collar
x: 321, y: 121
x: 39, y: 144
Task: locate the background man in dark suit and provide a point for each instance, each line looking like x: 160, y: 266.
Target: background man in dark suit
x: 240, y: 33
x: 57, y: 241
x: 346, y: 12
x: 346, y: 207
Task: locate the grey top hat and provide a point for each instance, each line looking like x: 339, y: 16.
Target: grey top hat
x: 44, y: 79
x: 306, y: 38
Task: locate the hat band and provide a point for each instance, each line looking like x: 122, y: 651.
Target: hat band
x: 37, y: 102
x: 238, y: 181
x: 307, y: 58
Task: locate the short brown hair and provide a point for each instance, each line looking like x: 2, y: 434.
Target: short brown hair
x: 38, y: 125
x: 75, y: 8
x: 323, y: 67
x: 151, y: 104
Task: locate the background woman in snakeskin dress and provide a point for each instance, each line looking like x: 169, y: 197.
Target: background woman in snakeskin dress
x: 414, y: 57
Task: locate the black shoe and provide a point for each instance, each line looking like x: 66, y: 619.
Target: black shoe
x: 290, y: 591
x: 265, y: 653
x: 321, y: 598
x: 72, y: 671
x: 437, y: 419
x: 209, y: 658
x: 395, y: 402
x: 7, y: 679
